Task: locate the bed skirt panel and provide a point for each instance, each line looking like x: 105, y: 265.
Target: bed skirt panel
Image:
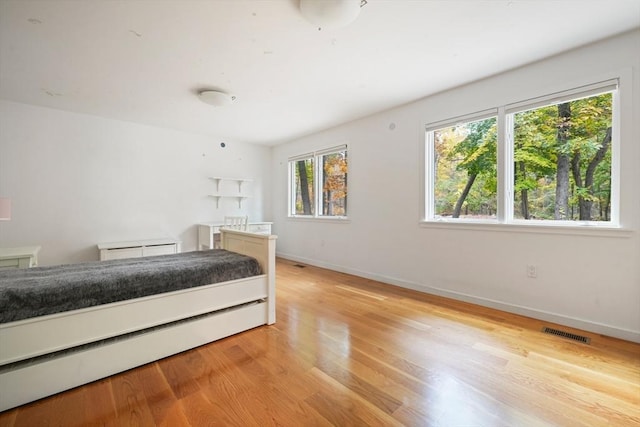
x: 72, y: 369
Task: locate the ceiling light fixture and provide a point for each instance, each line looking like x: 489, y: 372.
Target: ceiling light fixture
x: 331, y: 13
x: 216, y: 98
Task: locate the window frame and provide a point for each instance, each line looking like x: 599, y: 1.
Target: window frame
x: 430, y: 169
x: 317, y: 157
x: 505, y: 173
x: 292, y: 162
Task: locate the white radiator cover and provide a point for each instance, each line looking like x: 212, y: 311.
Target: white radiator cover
x: 138, y: 248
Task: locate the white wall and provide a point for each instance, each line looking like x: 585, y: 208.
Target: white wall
x: 586, y: 281
x: 77, y: 180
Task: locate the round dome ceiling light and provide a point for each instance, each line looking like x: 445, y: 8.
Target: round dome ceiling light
x: 216, y: 98
x: 331, y: 13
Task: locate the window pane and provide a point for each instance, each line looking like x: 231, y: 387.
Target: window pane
x: 465, y: 170
x: 562, y: 161
x: 303, y: 187
x: 334, y: 184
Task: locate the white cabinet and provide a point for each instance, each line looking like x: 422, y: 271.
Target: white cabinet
x: 138, y: 248
x: 209, y: 233
x: 230, y: 188
x: 24, y: 257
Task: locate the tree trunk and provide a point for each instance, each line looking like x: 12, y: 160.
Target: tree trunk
x: 463, y: 196
x: 304, y: 187
x: 524, y: 195
x: 561, y: 209
x: 586, y: 204
x: 591, y: 170
x: 577, y: 177
x: 607, y: 208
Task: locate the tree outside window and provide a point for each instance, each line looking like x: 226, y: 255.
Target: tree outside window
x: 465, y: 165
x: 303, y: 187
x: 334, y: 184
x: 319, y: 179
x: 558, y: 168
x: 562, y: 157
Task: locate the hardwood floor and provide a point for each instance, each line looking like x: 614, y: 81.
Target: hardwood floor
x: 347, y: 351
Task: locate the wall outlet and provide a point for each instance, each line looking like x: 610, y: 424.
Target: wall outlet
x: 532, y: 271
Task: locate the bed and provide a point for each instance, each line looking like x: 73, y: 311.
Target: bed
x: 50, y: 353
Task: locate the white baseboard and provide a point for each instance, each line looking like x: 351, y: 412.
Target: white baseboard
x: 586, y: 325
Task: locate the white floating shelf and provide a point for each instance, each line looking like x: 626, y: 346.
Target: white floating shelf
x: 217, y: 198
x: 219, y: 179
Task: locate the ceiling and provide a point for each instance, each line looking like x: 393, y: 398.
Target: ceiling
x: 145, y: 61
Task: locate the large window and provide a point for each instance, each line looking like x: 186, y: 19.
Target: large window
x: 546, y: 160
x: 465, y: 169
x: 318, y: 183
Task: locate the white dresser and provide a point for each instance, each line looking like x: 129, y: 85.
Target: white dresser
x: 209, y: 233
x: 23, y: 257
x: 138, y: 248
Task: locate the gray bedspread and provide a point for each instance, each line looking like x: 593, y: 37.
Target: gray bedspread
x: 46, y: 290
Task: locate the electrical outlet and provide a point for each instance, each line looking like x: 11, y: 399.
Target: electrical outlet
x: 532, y: 271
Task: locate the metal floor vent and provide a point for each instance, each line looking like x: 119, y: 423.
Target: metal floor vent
x: 299, y: 265
x: 565, y: 334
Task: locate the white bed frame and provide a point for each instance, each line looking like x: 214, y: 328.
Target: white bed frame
x: 28, y: 338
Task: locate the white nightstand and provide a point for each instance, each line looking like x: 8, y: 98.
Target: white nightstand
x: 25, y: 257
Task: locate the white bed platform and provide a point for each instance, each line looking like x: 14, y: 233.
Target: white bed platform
x: 232, y: 305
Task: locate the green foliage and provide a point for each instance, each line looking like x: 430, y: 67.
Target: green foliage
x: 536, y: 150
x: 462, y: 152
x: 477, y: 151
x: 467, y: 153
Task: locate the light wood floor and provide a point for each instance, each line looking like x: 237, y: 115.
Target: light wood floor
x: 347, y: 351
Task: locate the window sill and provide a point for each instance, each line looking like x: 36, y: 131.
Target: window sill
x: 335, y: 219
x: 539, y: 227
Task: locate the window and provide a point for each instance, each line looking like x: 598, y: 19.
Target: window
x: 303, y: 171
x: 465, y: 170
x: 545, y: 160
x: 319, y: 179
x: 562, y: 160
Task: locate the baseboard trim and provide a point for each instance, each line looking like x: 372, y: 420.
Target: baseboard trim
x: 586, y: 325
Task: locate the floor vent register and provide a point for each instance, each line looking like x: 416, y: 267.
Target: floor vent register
x: 567, y: 335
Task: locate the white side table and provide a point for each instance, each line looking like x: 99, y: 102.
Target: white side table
x: 24, y: 257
